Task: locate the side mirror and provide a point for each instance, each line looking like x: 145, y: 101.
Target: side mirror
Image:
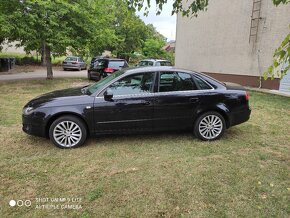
x: 108, y: 94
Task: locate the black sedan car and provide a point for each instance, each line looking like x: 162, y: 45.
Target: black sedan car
x: 103, y: 67
x: 138, y: 100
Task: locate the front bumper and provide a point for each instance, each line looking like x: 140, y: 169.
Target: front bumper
x: 32, y: 126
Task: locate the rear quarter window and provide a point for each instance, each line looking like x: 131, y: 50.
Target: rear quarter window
x: 201, y: 84
x: 116, y: 64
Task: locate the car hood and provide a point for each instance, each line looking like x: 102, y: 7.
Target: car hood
x: 65, y: 95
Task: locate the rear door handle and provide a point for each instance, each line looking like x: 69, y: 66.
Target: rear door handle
x: 146, y: 103
x: 193, y: 100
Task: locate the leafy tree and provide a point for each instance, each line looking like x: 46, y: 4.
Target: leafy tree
x: 131, y: 31
x: 194, y: 6
x: 54, y: 25
x: 153, y: 48
x: 281, y: 61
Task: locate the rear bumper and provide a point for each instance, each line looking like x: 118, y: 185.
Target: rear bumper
x: 240, y: 117
x: 68, y: 66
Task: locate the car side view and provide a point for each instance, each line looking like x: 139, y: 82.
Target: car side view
x: 138, y: 100
x: 153, y: 62
x: 71, y: 63
x: 103, y: 67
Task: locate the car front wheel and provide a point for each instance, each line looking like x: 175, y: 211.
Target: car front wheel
x: 209, y: 126
x: 68, y: 132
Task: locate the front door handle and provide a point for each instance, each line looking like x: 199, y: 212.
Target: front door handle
x: 193, y: 100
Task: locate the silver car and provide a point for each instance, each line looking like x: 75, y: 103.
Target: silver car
x: 153, y: 62
x: 74, y: 63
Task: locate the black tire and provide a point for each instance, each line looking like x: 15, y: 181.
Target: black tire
x: 89, y: 75
x: 209, y: 126
x: 68, y: 132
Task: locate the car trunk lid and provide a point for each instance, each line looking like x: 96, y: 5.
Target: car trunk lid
x: 234, y: 86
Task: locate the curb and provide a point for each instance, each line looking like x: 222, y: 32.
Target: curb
x: 269, y: 91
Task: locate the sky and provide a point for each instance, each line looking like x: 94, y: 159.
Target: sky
x: 164, y: 23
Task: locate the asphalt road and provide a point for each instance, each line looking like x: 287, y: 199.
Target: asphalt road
x: 39, y: 73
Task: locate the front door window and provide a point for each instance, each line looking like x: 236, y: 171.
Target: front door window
x: 133, y: 84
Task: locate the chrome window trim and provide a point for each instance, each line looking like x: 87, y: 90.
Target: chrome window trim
x: 154, y: 93
x: 159, y: 93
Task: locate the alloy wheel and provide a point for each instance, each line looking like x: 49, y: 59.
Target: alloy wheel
x: 210, y: 127
x: 67, y: 134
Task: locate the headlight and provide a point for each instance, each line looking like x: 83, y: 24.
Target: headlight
x: 28, y: 110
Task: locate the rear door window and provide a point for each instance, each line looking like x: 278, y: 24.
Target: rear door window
x: 176, y: 81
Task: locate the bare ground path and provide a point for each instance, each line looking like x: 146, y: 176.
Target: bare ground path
x: 34, y: 72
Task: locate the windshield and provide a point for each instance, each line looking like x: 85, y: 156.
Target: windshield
x: 145, y: 63
x: 71, y: 59
x: 93, y: 88
x: 164, y: 63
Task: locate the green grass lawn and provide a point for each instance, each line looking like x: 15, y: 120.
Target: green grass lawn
x: 244, y: 174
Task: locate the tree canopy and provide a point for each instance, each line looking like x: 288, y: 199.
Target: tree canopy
x: 81, y: 27
x: 90, y: 26
x: 53, y: 25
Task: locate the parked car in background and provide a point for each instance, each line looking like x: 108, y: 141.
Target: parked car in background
x: 153, y: 62
x: 104, y: 67
x: 138, y: 100
x: 74, y: 62
x: 94, y: 59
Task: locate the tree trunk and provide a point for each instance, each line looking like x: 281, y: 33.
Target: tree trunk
x: 48, y: 61
x: 43, y: 55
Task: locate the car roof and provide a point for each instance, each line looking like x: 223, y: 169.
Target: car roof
x: 154, y: 69
x: 129, y: 71
x: 152, y: 59
x: 112, y: 59
x: 72, y: 57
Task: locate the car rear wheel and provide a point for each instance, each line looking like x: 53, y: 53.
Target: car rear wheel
x: 209, y: 126
x: 68, y: 132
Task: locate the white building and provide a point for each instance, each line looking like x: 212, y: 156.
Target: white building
x: 234, y: 40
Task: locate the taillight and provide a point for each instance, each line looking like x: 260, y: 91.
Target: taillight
x: 109, y: 70
x: 247, y: 96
